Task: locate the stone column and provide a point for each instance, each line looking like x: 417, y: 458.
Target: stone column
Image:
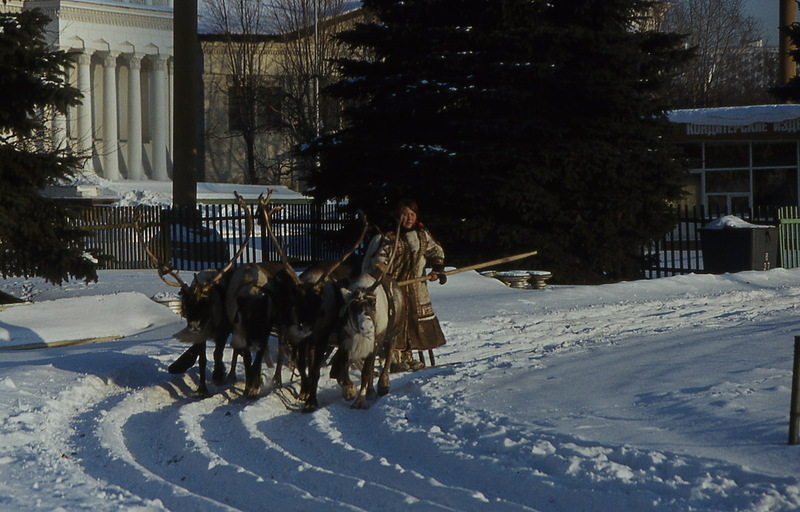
x: 159, y: 118
x: 135, y: 170
x: 110, y: 131
x: 59, y: 131
x: 84, y: 135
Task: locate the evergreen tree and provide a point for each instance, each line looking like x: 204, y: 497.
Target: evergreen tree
x: 35, y: 237
x: 516, y: 124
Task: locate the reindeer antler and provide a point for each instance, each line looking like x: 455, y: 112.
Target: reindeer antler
x: 248, y: 219
x: 348, y: 253
x: 263, y: 204
x: 162, y: 268
x: 390, y: 261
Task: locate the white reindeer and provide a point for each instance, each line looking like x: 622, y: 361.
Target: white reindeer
x: 370, y: 323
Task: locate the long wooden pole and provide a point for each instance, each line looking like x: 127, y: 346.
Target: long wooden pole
x: 476, y: 266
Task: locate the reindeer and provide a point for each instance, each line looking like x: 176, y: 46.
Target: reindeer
x: 312, y: 305
x: 253, y: 304
x: 203, y: 306
x: 371, y: 319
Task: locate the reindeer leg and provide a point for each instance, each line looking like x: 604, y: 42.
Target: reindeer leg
x: 248, y: 367
x: 315, y: 364
x: 367, y: 374
x: 383, y: 379
x: 220, y: 339
x: 202, y: 390
x: 302, y: 357
x: 339, y: 371
x: 232, y: 373
x: 253, y: 387
x: 277, y: 378
x: 185, y: 360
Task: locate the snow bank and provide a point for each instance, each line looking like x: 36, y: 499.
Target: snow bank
x: 80, y: 319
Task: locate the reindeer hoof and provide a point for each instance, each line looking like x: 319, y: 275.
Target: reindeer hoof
x: 360, y: 403
x: 252, y: 393
x: 349, y: 392
x: 307, y: 408
x: 383, y: 390
x: 218, y: 376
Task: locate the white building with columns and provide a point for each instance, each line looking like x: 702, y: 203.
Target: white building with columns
x: 124, y: 71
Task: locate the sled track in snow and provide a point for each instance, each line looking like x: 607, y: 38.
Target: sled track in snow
x: 229, y: 454
x: 224, y: 453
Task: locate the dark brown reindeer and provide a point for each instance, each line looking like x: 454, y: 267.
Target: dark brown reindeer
x: 371, y: 320
x: 255, y: 305
x: 312, y: 314
x: 203, y: 306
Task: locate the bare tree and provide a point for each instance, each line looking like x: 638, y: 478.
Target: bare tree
x: 277, y: 56
x: 732, y: 67
x: 243, y: 32
x: 308, y: 62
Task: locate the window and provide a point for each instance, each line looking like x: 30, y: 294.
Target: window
x: 727, y: 181
x: 775, y: 187
x: 773, y: 154
x: 722, y: 156
x: 258, y: 108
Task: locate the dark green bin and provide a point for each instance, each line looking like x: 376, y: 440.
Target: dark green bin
x: 738, y: 249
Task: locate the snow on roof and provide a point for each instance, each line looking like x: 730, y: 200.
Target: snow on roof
x: 147, y: 192
x: 735, y: 116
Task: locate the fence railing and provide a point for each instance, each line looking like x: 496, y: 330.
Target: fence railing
x: 208, y: 236
x: 113, y: 234
x: 679, y: 251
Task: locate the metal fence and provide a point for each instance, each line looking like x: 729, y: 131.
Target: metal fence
x: 208, y: 236
x: 112, y: 234
x: 680, y: 251
x: 789, y: 236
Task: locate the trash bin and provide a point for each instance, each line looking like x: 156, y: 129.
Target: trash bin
x: 731, y: 244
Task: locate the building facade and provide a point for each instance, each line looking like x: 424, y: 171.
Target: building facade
x: 741, y: 157
x: 124, y: 68
x: 124, y: 71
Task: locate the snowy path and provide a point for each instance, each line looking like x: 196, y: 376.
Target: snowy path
x: 668, y: 396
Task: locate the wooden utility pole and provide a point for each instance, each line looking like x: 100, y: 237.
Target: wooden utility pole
x: 185, y: 127
x: 787, y: 68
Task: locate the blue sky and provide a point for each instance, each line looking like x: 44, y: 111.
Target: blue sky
x: 767, y: 11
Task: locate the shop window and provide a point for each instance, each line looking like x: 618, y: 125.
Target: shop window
x: 727, y: 182
x: 728, y: 204
x: 775, y: 187
x: 726, y: 156
x: 774, y: 154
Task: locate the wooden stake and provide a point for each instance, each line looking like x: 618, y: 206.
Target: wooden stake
x: 470, y: 267
x: 794, y: 409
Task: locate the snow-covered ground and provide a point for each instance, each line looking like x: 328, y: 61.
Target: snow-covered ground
x: 668, y: 395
